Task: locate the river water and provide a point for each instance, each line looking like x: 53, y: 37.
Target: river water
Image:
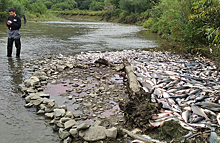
x: 21, y: 125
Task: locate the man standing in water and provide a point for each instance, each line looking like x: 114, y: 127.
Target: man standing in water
x: 24, y: 18
x: 14, y: 24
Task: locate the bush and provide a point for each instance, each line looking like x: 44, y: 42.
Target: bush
x: 148, y: 23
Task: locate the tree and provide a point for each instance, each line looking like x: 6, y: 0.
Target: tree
x: 96, y: 6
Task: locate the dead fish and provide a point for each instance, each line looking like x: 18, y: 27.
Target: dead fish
x: 218, y: 118
x: 160, y: 115
x: 180, y: 96
x: 165, y: 81
x: 217, y: 109
x: 197, y: 110
x: 171, y: 84
x: 198, y: 119
x: 202, y: 98
x: 207, y: 104
x: 186, y: 126
x: 195, y: 91
x: 185, y: 115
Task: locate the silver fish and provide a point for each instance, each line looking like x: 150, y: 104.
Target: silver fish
x: 197, y: 110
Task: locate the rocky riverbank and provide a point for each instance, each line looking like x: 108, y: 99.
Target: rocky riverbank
x: 81, y: 96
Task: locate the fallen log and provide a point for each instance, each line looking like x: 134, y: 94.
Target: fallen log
x: 134, y: 88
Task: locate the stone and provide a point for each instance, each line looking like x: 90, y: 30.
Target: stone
x: 70, y: 97
x: 40, y: 112
x: 83, y: 126
x: 69, y: 114
x: 111, y: 133
x: 49, y: 115
x: 32, y: 81
x: 70, y: 123
x: 69, y: 66
x: 69, y: 140
x: 64, y: 119
x: 74, y: 132
x: 97, y: 123
x: 53, y: 82
x: 63, y: 134
x: 93, y: 133
x: 59, y: 112
x: 28, y: 105
x: 50, y: 104
x: 60, y: 68
x: 36, y: 102
x: 63, y: 94
x: 42, y: 106
x: 64, y: 107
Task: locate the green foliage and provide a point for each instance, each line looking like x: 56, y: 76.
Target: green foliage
x: 68, y: 4
x: 96, y: 6
x: 136, y: 6
x: 19, y: 8
x: 38, y: 8
x: 148, y: 23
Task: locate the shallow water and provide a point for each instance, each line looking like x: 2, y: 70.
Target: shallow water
x: 19, y: 124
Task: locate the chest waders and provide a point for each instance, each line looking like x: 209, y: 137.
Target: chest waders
x: 14, y: 35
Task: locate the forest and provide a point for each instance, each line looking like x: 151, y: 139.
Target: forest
x: 193, y: 22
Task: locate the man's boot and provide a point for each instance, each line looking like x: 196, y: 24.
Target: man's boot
x: 18, y: 47
x: 9, y: 47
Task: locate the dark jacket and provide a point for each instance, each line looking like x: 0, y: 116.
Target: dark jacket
x: 16, y: 22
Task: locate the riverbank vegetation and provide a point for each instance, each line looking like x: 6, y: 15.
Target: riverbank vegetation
x: 193, y: 23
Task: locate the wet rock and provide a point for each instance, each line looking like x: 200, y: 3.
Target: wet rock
x: 63, y: 134
x: 64, y: 107
x: 83, y: 126
x: 63, y: 94
x: 32, y: 81
x: 59, y: 112
x: 50, y: 104
x: 54, y: 82
x: 42, y: 106
x: 93, y: 133
x: 111, y: 133
x: 74, y: 132
x: 36, y: 102
x: 28, y: 105
x: 69, y: 140
x: 69, y: 114
x: 64, y: 119
x: 49, y: 115
x: 70, y: 123
x: 60, y: 68
x: 97, y: 123
x: 40, y: 112
x: 69, y: 65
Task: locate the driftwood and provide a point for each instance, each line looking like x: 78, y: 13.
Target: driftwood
x: 140, y: 138
x: 137, y: 108
x: 134, y: 88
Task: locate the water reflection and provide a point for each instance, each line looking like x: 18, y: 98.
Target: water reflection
x: 15, y: 67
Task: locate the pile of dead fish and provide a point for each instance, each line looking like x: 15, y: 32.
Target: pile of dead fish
x: 188, y: 89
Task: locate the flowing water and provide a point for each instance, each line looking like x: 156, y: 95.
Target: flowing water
x: 21, y: 125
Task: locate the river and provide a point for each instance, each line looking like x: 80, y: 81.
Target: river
x: 21, y: 125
